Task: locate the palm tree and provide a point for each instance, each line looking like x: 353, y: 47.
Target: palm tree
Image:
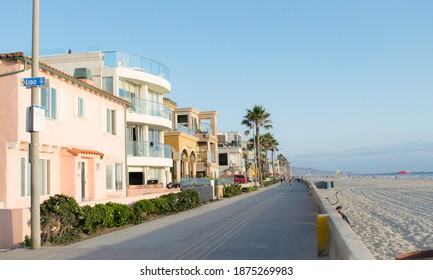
x: 257, y: 118
x: 282, y: 161
x: 270, y: 144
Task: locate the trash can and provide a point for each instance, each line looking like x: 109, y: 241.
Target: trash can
x: 326, y: 185
x: 332, y: 184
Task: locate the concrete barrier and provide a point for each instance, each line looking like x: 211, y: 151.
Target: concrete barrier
x: 334, y: 236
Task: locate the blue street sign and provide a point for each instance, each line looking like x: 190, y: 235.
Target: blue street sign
x: 33, y: 82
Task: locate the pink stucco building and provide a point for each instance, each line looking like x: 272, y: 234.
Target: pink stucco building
x: 82, y: 148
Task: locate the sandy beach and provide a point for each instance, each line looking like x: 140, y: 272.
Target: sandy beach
x: 391, y: 216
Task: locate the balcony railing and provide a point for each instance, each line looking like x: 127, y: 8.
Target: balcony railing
x: 148, y: 149
x: 147, y: 107
x: 115, y: 59
x: 185, y: 129
x: 205, y: 128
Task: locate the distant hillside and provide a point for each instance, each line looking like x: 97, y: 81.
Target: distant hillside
x: 304, y: 171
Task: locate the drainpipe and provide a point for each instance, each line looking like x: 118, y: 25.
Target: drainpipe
x: 14, y: 72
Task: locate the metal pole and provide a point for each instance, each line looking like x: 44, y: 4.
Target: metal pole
x: 34, y: 144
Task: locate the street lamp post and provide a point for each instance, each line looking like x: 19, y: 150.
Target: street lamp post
x: 34, y: 135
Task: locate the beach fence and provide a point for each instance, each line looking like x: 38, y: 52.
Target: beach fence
x: 335, y: 237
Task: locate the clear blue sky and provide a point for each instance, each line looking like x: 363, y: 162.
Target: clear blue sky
x: 348, y: 83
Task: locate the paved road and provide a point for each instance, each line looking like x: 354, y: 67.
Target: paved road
x: 275, y: 223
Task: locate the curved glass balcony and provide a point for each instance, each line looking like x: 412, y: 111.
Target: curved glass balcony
x: 147, y: 107
x: 115, y: 59
x: 147, y: 149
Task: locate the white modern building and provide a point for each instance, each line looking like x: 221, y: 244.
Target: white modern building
x: 143, y: 82
x: 230, y: 157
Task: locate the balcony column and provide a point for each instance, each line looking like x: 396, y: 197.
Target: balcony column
x: 177, y: 174
x: 193, y: 168
x: 186, y: 168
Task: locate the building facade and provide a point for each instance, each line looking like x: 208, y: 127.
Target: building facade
x: 142, y: 82
x: 194, y: 142
x: 230, y: 155
x: 82, y: 143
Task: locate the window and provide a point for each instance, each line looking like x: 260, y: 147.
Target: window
x: 183, y: 120
x: 80, y: 109
x: 223, y: 159
x: 44, y: 177
x: 154, y: 175
x: 108, y: 120
x: 107, y: 84
x: 113, y: 176
x: 49, y: 102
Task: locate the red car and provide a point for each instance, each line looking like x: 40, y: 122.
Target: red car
x: 240, y: 179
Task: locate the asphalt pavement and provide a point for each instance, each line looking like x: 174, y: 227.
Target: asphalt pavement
x: 273, y: 223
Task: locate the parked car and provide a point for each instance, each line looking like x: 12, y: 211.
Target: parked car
x: 238, y: 178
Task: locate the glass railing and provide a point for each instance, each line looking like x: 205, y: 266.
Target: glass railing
x: 147, y: 107
x: 115, y: 59
x: 205, y: 128
x: 185, y: 129
x: 147, y: 149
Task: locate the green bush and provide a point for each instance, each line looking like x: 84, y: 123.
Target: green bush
x: 172, y: 200
x: 63, y: 220
x: 232, y: 190
x: 60, y: 219
x: 162, y: 206
x: 249, y: 189
x: 141, y: 210
x: 121, y: 214
x: 97, y: 217
x: 188, y: 199
x: 271, y: 182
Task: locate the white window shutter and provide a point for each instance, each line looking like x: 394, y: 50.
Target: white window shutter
x: 62, y: 109
x: 119, y: 123
x: 76, y: 105
x: 103, y: 119
x: 85, y: 108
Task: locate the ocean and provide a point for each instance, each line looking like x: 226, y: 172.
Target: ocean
x: 412, y: 175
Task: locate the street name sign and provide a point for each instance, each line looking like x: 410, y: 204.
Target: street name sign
x: 33, y: 82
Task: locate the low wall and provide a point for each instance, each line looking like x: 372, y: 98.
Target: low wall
x: 342, y: 243
x: 204, y: 186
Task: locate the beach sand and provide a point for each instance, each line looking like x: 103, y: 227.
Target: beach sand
x: 391, y: 216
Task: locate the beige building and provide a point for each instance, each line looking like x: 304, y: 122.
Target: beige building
x: 194, y: 142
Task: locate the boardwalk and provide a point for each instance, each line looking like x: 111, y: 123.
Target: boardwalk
x: 275, y: 223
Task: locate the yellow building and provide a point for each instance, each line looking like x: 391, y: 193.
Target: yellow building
x: 194, y: 142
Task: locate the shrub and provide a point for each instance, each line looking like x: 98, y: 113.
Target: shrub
x: 172, y: 200
x: 161, y: 205
x: 232, y: 190
x: 60, y: 219
x: 249, y: 189
x: 97, y: 217
x: 141, y: 209
x: 188, y: 199
x: 271, y: 182
x: 121, y: 213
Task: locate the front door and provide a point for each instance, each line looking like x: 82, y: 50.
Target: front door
x: 83, y: 179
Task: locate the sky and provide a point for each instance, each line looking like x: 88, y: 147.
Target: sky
x: 348, y: 84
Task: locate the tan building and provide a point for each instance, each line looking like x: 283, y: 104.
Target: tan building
x: 194, y: 142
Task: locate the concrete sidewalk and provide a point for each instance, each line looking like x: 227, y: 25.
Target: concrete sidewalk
x: 298, y: 213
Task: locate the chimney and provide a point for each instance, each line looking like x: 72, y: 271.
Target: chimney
x: 84, y: 75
